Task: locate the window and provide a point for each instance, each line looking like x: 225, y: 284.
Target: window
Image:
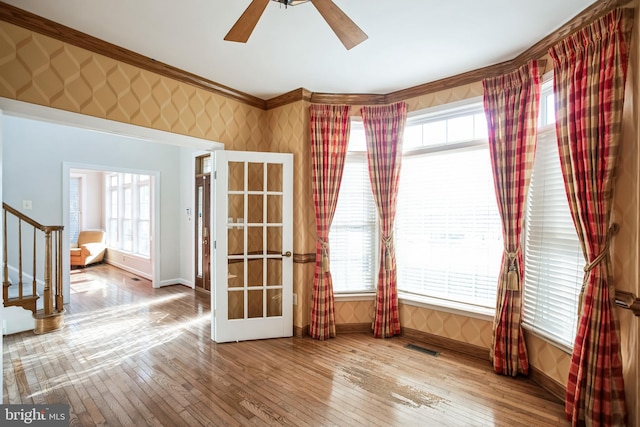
x: 113, y: 230
x: 129, y: 212
x: 143, y: 220
x: 553, y: 255
x: 353, y: 235
x: 75, y: 208
x: 448, y: 234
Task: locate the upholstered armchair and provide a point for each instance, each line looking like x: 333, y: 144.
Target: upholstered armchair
x: 90, y: 248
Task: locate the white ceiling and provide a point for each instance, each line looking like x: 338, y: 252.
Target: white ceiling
x: 411, y: 42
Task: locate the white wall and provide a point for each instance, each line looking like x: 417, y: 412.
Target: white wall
x: 33, y: 157
x: 187, y: 201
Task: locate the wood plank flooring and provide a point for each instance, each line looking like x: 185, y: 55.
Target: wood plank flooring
x: 131, y: 355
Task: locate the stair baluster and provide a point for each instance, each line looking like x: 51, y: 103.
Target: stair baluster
x: 50, y: 318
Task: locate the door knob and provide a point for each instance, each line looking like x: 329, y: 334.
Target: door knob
x: 287, y: 254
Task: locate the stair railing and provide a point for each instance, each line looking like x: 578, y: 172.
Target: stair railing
x: 53, y: 301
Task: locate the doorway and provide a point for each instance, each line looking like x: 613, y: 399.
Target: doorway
x: 121, y: 203
x: 202, y: 223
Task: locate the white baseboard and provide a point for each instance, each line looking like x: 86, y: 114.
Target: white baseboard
x: 178, y: 281
x: 128, y: 268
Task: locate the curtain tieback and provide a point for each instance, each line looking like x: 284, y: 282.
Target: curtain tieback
x: 513, y: 284
x: 324, y: 245
x: 386, y: 241
x: 613, y: 229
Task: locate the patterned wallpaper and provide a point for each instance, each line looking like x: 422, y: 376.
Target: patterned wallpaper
x: 287, y: 132
x: 40, y: 70
x: 44, y: 71
x: 626, y: 243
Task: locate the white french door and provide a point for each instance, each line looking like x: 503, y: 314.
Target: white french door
x: 253, y: 242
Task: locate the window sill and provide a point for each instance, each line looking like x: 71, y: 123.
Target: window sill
x: 436, y: 304
x: 355, y: 296
x: 122, y: 252
x: 452, y: 307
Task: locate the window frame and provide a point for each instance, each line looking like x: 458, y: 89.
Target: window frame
x: 471, y: 106
x: 448, y: 111
x: 546, y: 131
x: 359, y: 156
x: 79, y: 189
x: 118, y: 184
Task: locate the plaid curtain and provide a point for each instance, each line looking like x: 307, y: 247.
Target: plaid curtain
x: 384, y: 127
x: 330, y: 125
x: 511, y: 103
x: 590, y: 68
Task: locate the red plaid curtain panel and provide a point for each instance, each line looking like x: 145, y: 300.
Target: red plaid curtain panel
x: 511, y: 103
x: 590, y: 70
x: 384, y: 128
x: 330, y: 126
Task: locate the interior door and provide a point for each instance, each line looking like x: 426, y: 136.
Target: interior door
x: 253, y: 244
x: 203, y: 220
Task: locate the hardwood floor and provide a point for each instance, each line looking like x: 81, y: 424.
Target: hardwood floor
x: 131, y: 355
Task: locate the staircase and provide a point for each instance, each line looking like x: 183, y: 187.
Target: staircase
x: 24, y: 309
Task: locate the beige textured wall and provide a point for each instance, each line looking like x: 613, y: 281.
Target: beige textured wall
x: 547, y: 358
x: 448, y: 96
x: 626, y: 243
x: 288, y: 132
x: 354, y: 312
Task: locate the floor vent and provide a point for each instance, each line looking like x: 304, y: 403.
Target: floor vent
x: 423, y: 350
x: 135, y: 279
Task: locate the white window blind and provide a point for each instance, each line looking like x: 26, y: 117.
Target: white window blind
x: 553, y: 256
x: 353, y: 235
x: 448, y: 235
x: 144, y: 217
x: 75, y: 208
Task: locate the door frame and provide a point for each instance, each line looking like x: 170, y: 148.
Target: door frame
x: 197, y: 247
x: 67, y: 167
x: 190, y: 214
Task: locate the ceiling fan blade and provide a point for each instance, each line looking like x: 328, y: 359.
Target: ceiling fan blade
x: 347, y: 31
x: 242, y: 29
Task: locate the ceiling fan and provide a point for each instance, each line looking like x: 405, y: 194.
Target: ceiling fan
x: 347, y: 31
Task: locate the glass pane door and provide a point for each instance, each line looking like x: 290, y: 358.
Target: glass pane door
x: 254, y: 242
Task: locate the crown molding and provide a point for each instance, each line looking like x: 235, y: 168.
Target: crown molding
x: 288, y: 98
x: 33, y: 22
x: 65, y: 34
x: 537, y: 51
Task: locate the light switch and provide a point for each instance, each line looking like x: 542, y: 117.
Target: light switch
x: 26, y: 204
